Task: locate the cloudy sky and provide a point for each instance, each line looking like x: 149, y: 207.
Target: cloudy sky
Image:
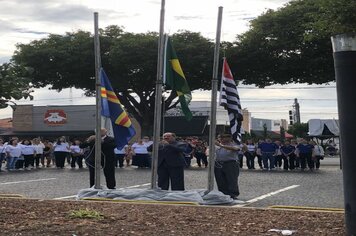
x: 24, y: 21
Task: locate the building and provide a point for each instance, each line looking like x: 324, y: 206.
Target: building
x: 246, y: 123
x: 54, y: 121
x: 5, y: 125
x: 257, y: 124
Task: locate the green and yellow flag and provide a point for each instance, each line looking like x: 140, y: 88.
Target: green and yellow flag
x: 174, y: 78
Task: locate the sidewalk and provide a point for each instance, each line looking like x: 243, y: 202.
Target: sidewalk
x: 330, y: 161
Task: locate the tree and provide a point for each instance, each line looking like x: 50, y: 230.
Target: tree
x: 299, y: 130
x: 129, y: 59
x: 13, y: 85
x: 292, y: 44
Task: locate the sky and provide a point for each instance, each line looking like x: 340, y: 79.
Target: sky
x: 24, y: 21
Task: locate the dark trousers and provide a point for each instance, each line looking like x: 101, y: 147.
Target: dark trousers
x: 268, y: 156
x: 306, y: 158
x: 141, y: 160
x: 188, y: 161
x: 173, y: 174
x: 226, y: 176
x: 288, y: 162
x: 2, y: 158
x: 78, y: 160
x: 29, y: 160
x: 19, y: 164
x: 241, y: 160
x: 297, y: 161
x: 201, y: 157
x: 60, y: 158
x: 38, y: 158
x: 259, y: 160
x: 278, y: 160
x: 119, y: 159
x: 317, y: 161
x: 250, y: 158
x: 109, y: 173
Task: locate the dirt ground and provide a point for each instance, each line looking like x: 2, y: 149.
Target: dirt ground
x: 49, y: 217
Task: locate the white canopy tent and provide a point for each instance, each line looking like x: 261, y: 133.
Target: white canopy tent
x: 318, y: 127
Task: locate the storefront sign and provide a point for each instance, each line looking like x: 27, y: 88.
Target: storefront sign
x: 55, y: 117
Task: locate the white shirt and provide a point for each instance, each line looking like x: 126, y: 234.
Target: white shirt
x: 122, y: 151
x: 13, y: 151
x: 148, y: 143
x: 3, y: 148
x: 140, y: 148
x: 318, y: 150
x: 251, y: 147
x: 39, y: 148
x: 62, y: 147
x: 27, y: 149
x: 75, y: 149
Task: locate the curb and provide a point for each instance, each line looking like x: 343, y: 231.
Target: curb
x: 141, y: 201
x: 304, y: 208
x: 5, y: 195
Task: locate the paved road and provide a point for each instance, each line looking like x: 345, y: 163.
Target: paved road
x: 321, y: 188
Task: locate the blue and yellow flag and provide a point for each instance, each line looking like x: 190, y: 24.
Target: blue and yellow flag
x: 111, y: 108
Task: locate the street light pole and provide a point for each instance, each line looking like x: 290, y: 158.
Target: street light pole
x: 344, y: 48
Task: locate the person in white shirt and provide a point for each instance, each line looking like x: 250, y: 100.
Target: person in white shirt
x: 318, y: 154
x: 39, y: 146
x: 13, y: 152
x: 141, y: 157
x: 77, y: 154
x: 120, y: 156
x: 250, y: 154
x: 2, y: 151
x: 28, y: 151
x: 61, y: 151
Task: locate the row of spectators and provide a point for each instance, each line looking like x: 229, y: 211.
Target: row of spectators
x: 293, y: 154
x: 28, y: 154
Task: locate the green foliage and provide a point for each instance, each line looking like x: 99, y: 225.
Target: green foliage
x: 129, y: 59
x: 246, y: 136
x: 292, y: 44
x: 86, y: 214
x: 14, y: 84
x: 299, y: 130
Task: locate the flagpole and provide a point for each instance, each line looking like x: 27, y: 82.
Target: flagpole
x: 214, y: 88
x: 158, y: 101
x: 98, y: 104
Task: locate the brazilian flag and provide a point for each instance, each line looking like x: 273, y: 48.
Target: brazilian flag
x: 174, y: 78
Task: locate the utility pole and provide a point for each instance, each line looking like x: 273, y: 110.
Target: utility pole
x: 297, y: 111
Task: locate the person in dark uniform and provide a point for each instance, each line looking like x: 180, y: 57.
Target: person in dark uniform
x: 288, y: 152
x: 171, y: 162
x: 107, y: 158
x: 227, y: 166
x: 305, y: 151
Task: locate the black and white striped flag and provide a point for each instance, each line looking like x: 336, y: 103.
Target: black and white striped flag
x: 230, y: 100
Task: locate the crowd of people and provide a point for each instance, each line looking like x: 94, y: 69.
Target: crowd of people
x: 27, y: 154
x: 174, y: 155
x: 289, y: 155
